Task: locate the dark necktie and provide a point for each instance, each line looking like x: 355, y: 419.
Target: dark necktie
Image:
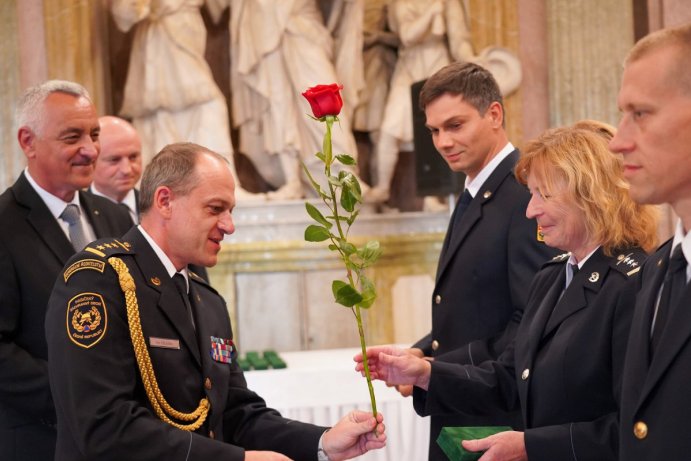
x: 675, y: 281
x: 181, y: 285
x: 71, y: 216
x: 574, y: 271
x: 461, y: 206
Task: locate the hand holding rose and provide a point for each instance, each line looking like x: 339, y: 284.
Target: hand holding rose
x: 396, y: 366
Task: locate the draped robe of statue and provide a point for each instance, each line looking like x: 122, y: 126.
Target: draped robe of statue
x: 431, y: 34
x: 278, y: 50
x: 170, y: 93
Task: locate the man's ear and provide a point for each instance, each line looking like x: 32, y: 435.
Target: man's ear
x: 163, y: 197
x: 496, y: 113
x: 27, y: 141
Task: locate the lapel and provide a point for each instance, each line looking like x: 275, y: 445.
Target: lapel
x: 473, y: 213
x: 535, y: 323
x: 94, y: 214
x: 545, y: 310
x: 40, y: 218
x: 169, y: 301
x: 590, y: 277
x: 677, y: 331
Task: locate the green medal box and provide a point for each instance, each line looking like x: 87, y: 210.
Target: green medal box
x: 450, y: 440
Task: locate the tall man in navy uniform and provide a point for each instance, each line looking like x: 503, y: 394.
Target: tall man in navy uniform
x: 58, y: 132
x: 141, y: 355
x: 654, y: 137
x: 491, y: 250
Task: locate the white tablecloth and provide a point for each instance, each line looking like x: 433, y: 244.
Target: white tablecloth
x: 322, y: 386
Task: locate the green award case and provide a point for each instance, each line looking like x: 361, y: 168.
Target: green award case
x: 450, y: 440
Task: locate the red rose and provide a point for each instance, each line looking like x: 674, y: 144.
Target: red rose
x: 324, y: 99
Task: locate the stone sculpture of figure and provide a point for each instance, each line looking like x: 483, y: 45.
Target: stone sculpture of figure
x: 170, y: 93
x: 432, y: 33
x: 278, y: 50
x: 345, y: 23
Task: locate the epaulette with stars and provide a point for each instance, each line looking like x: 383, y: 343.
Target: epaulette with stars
x: 103, y: 249
x: 629, y: 261
x: 557, y: 259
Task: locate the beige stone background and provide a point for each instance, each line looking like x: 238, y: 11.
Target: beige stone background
x: 571, y: 53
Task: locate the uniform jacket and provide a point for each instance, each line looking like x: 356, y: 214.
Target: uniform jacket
x: 33, y: 250
x: 103, y: 411
x: 482, y: 280
x: 565, y: 366
x: 656, y: 402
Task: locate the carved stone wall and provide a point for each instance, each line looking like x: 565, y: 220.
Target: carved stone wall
x: 12, y: 158
x: 495, y: 23
x: 587, y: 40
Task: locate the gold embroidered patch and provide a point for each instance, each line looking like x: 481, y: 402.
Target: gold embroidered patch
x: 87, y: 319
x: 93, y: 264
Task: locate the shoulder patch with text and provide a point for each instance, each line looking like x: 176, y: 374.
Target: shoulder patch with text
x: 87, y: 319
x: 93, y: 264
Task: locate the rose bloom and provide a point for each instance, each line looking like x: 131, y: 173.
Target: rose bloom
x: 324, y: 99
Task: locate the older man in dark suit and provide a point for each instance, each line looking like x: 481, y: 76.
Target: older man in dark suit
x: 654, y: 137
x: 58, y: 132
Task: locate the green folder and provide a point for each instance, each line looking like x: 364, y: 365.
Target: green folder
x: 450, y: 440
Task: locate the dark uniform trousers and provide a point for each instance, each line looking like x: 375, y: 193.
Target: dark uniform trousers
x: 102, y: 409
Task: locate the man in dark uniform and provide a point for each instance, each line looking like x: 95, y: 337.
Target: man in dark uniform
x: 654, y: 137
x: 119, y: 167
x: 491, y: 251
x: 58, y: 132
x: 141, y: 357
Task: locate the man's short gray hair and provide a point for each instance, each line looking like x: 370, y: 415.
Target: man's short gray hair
x: 30, y: 111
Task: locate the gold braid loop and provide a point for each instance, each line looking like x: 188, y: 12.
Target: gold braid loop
x: 162, y: 408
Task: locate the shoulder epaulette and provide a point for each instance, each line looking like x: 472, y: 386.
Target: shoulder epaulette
x: 94, y: 256
x: 629, y: 261
x: 557, y: 259
x: 108, y: 247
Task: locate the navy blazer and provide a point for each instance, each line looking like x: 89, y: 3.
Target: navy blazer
x: 656, y: 402
x: 565, y: 366
x: 482, y: 282
x: 33, y: 250
x: 103, y: 411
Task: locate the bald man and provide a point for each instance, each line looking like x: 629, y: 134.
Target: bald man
x: 119, y: 165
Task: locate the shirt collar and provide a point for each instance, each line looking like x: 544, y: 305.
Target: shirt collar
x: 55, y: 205
x: 680, y: 237
x: 165, y: 260
x: 477, y: 182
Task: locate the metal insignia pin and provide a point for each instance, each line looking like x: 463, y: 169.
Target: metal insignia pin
x: 594, y: 277
x: 487, y: 194
x: 156, y: 281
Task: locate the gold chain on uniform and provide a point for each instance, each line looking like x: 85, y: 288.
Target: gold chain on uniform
x: 158, y: 402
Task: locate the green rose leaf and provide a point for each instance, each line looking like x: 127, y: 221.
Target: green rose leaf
x: 315, y: 233
x: 369, y: 253
x: 345, y: 294
x: 369, y: 292
x: 317, y: 216
x: 346, y: 159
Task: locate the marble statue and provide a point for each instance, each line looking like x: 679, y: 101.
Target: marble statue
x: 170, y: 94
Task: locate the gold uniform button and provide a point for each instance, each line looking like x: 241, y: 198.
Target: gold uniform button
x: 207, y: 384
x: 437, y: 299
x: 212, y: 435
x: 640, y: 430
x: 435, y: 345
x: 525, y: 374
